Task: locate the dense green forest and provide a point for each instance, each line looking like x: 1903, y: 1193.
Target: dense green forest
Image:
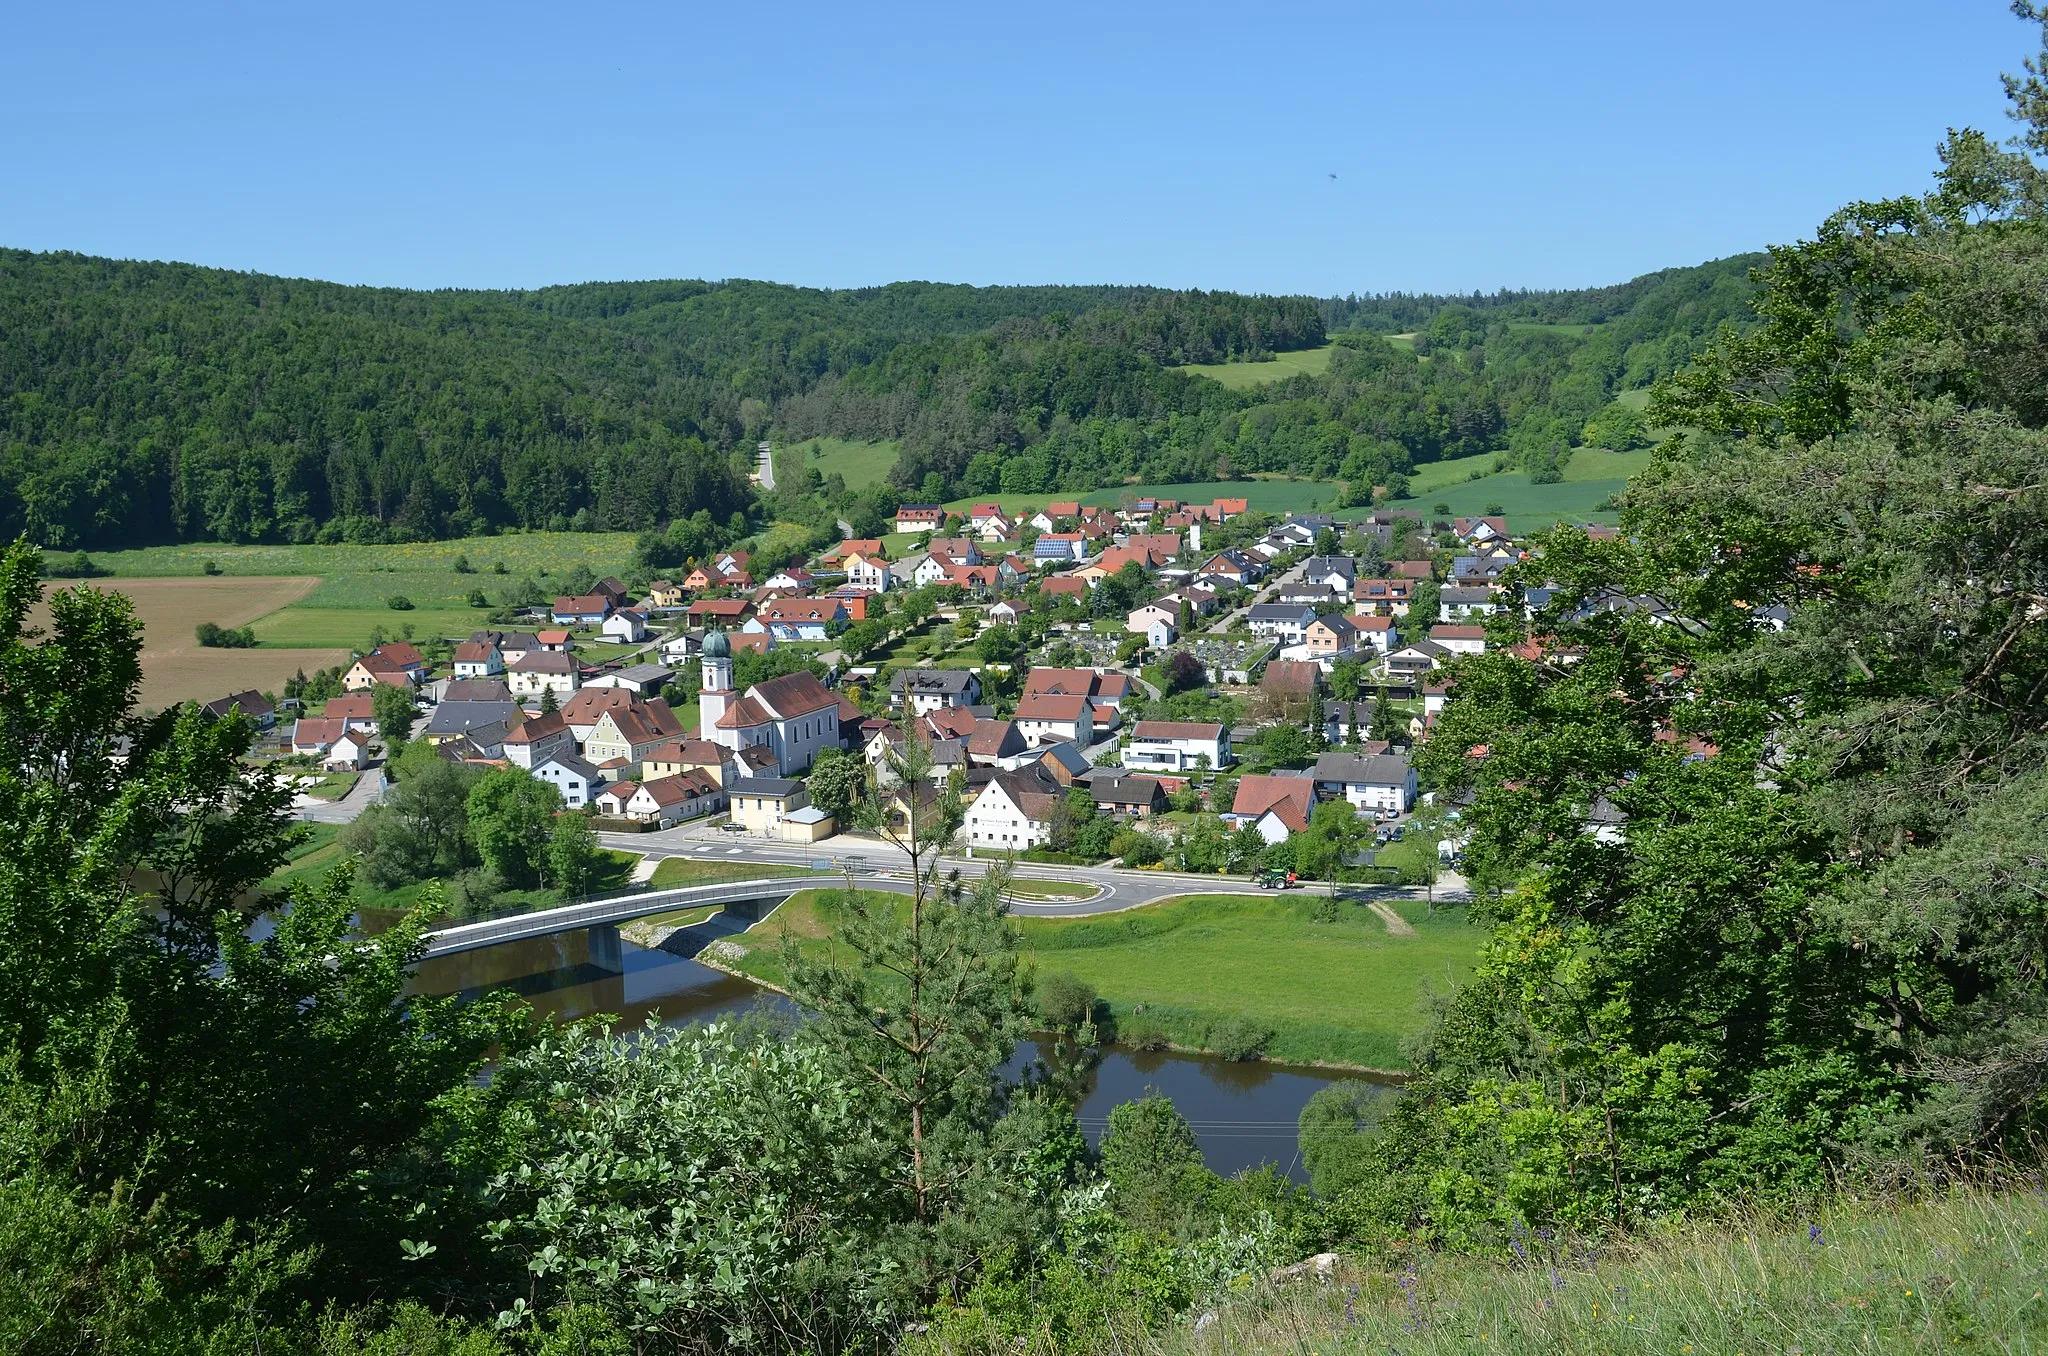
x: 146, y: 402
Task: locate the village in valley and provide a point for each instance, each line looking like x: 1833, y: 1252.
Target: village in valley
x: 1204, y: 676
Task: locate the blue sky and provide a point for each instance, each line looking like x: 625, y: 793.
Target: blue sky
x: 1475, y: 144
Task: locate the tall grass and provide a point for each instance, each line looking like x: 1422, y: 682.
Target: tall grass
x: 1965, y: 1272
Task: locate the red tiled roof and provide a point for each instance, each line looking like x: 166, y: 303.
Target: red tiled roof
x: 1291, y: 798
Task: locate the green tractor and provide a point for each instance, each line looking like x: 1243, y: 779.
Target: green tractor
x: 1275, y: 879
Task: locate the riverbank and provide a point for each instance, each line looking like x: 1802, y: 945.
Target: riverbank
x: 1296, y: 979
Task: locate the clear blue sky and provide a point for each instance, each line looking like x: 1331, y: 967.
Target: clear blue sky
x: 1475, y: 144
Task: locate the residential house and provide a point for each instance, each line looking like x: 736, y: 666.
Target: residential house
x: 1141, y: 620
x: 453, y: 720
x: 997, y: 531
x: 630, y: 734
x: 920, y: 518
x: 1059, y: 548
x: 869, y: 570
x: 551, y: 642
x: 1008, y: 611
x: 1066, y: 764
x: 544, y: 671
x: 776, y: 807
x: 665, y: 595
x: 1233, y: 566
x: 478, y: 659
x: 1457, y: 604
x: 839, y: 552
x: 313, y: 736
x: 1161, y: 634
x: 1288, y: 688
x: 1286, y: 622
x: 1341, y: 719
x: 1274, y: 805
x: 251, y: 703
x: 674, y: 756
x: 1177, y: 746
x: 1414, y: 569
x: 792, y: 716
x: 732, y: 563
x: 1163, y: 548
x: 993, y: 743
x: 1334, y: 575
x: 984, y: 513
x: 678, y: 648
x: 510, y: 644
x: 1381, y: 783
x: 1063, y: 586
x: 1480, y: 531
x: 929, y: 570
x: 471, y: 690
x: 348, y: 753
x: 625, y: 627
x: 1130, y: 796
x: 537, y: 739
x: 576, y: 778
x: 926, y: 690
x: 793, y: 579
x: 669, y: 800
x: 1382, y: 597
x: 1105, y: 691
x: 979, y: 580
x: 1014, y: 812
x: 1416, y: 657
x: 1460, y: 639
x: 587, y: 609
x: 719, y: 611
x: 373, y: 669
x: 1047, y: 718
x: 1328, y: 637
x: 356, y: 710
x: 798, y: 618
x: 1373, y: 633
x: 1479, y: 571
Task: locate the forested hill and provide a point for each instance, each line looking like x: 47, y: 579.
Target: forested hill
x: 145, y: 402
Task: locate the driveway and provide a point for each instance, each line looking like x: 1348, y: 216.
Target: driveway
x: 369, y: 788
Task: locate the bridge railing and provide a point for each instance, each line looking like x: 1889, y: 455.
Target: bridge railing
x: 471, y: 934
x: 626, y: 892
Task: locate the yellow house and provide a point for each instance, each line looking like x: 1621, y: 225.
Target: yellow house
x: 662, y: 593
x: 776, y: 807
x: 1093, y: 574
x: 674, y: 757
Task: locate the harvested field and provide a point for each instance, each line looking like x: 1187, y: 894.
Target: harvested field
x: 175, y: 668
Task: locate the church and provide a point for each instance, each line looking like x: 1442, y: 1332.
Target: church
x: 792, y: 716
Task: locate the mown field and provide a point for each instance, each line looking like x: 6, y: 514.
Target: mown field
x: 861, y: 463
x: 175, y: 668
x: 347, y: 592
x: 1344, y: 992
x: 1529, y: 507
x: 1308, y: 361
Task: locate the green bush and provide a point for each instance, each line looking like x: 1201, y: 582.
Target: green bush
x: 1064, y: 1002
x: 215, y: 637
x: 209, y: 567
x: 398, y: 602
x: 1238, y: 1038
x: 1142, y: 1033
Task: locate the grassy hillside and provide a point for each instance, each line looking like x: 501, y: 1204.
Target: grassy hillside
x: 1529, y: 507
x: 1963, y: 1273
x: 861, y: 463
x: 1238, y: 376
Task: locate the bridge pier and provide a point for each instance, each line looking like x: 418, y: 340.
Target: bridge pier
x: 606, y: 952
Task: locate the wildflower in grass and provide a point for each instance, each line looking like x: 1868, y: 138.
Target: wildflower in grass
x: 1813, y: 1235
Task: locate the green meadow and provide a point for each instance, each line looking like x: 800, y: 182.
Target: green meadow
x: 1345, y: 991
x: 861, y: 463
x: 1237, y: 376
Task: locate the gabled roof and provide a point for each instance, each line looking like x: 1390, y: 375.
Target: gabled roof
x: 354, y: 706
x: 1443, y: 633
x: 1291, y: 675
x: 471, y: 652
x: 793, y: 695
x: 776, y: 788
x: 1176, y: 729
x: 743, y: 714
x: 316, y: 730
x: 454, y: 718
x: 544, y: 661
x: 1052, y: 706
x: 994, y: 739
x: 536, y: 728
x: 250, y: 703
x: 1292, y: 799
x: 1353, y: 769
x: 1117, y: 789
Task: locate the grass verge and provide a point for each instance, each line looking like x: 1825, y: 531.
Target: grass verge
x: 676, y: 871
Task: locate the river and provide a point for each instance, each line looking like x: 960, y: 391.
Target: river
x: 1242, y: 1114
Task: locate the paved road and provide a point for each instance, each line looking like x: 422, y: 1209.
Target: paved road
x: 1264, y: 594
x: 1111, y: 888
x: 365, y: 793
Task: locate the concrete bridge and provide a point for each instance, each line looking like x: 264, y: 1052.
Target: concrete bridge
x: 603, y: 916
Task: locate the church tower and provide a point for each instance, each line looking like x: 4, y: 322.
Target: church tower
x: 717, y: 679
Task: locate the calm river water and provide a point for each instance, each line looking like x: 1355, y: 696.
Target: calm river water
x: 1243, y: 1114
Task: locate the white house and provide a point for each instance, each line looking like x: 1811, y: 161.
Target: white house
x: 628, y: 627
x: 1161, y: 634
x: 543, y: 671
x: 349, y: 752
x: 576, y: 779
x: 1460, y: 639
x: 1177, y: 746
x: 1377, y: 783
x: 1049, y: 717
x: 928, y: 570
x: 1142, y: 619
x: 638, y: 679
x: 1379, y: 633
x: 679, y: 647
x: 923, y: 691
x: 1286, y: 622
x: 478, y: 659
x: 538, y: 739
x: 868, y: 572
x: 1014, y: 811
